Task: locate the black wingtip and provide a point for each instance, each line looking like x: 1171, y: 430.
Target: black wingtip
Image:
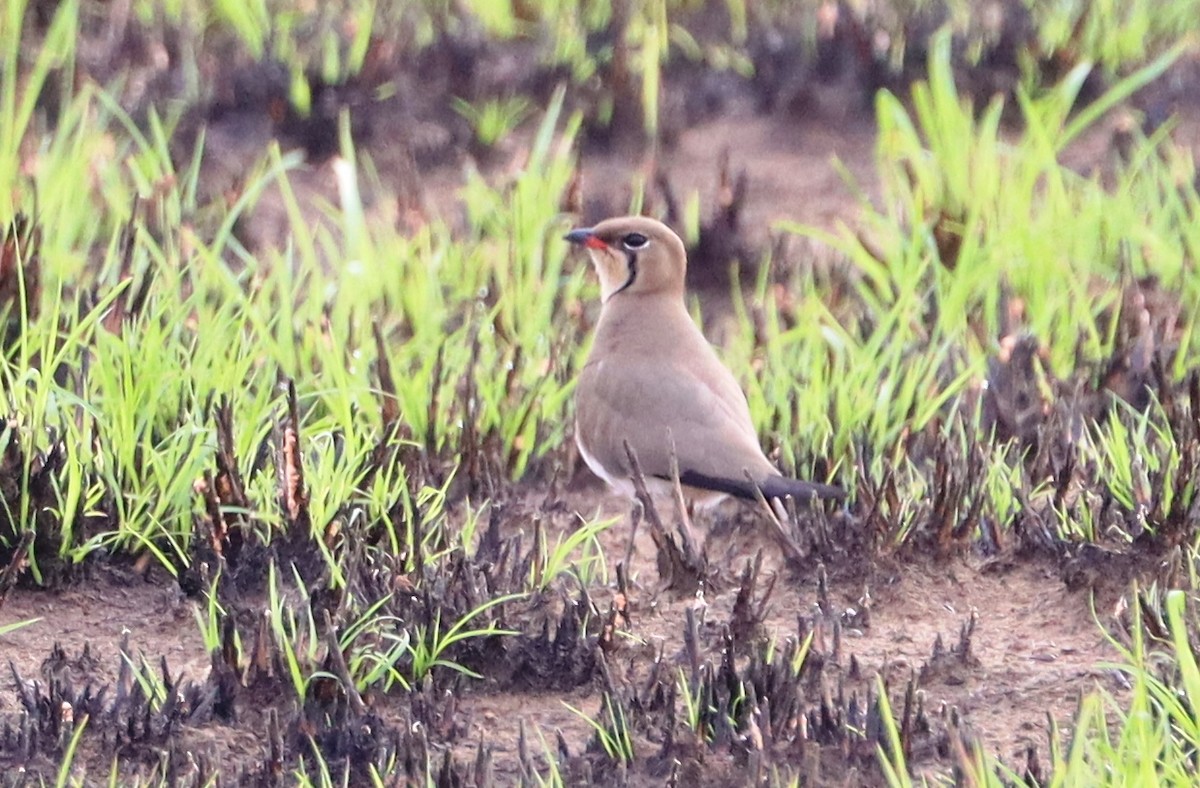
x: 772, y: 487
x: 782, y: 487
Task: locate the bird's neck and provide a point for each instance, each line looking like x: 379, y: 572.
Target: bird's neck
x: 657, y: 319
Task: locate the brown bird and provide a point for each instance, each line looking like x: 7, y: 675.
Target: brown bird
x: 652, y: 379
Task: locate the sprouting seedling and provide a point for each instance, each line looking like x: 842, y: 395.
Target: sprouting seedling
x: 579, y: 552
x: 611, y: 728
x: 429, y: 645
x: 494, y: 119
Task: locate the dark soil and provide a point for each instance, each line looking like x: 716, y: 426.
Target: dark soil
x: 1034, y: 649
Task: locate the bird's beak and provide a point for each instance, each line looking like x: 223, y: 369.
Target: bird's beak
x: 585, y: 237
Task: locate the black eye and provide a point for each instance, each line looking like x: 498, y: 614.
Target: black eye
x: 635, y: 241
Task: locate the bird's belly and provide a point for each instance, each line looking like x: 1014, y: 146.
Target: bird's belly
x: 622, y: 485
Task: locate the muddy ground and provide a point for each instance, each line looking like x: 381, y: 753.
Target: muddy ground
x: 1035, y: 649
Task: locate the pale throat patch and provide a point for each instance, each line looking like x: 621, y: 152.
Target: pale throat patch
x: 612, y: 269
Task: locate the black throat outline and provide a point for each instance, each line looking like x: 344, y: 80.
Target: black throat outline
x: 631, y: 260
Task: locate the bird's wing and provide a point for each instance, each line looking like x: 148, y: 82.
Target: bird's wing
x: 640, y: 399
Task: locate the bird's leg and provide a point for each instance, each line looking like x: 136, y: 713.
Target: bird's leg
x: 635, y: 518
x: 667, y: 552
x: 639, y: 490
x: 676, y: 569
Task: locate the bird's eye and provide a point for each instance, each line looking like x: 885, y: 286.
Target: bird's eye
x: 635, y: 241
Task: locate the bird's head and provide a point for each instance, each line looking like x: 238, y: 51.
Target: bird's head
x: 633, y: 254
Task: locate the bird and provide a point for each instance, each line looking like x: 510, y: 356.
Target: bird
x: 653, y: 381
